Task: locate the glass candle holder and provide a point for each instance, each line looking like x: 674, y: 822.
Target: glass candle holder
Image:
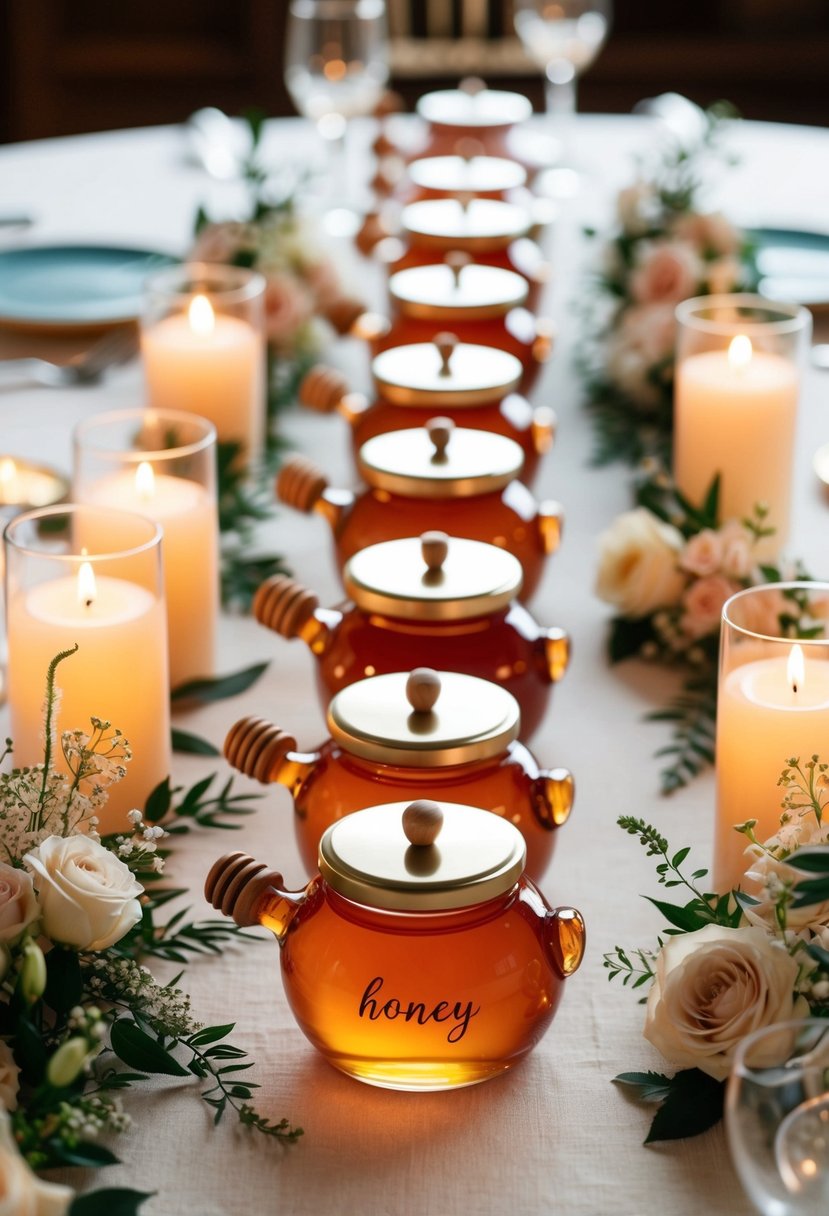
x: 23, y: 485
x: 777, y: 1117
x: 91, y: 577
x: 739, y: 363
x: 203, y: 348
x: 772, y: 707
x: 162, y: 463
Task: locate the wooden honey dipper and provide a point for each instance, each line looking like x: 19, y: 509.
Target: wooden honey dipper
x: 236, y: 884
x: 300, y: 483
x: 255, y: 747
x: 325, y: 390
x: 283, y: 605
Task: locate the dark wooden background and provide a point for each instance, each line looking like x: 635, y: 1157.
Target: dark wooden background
x: 82, y: 65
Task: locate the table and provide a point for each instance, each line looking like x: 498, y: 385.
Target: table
x: 554, y: 1136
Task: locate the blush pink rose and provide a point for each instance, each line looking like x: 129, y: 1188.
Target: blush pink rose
x: 668, y: 272
x: 18, y: 903
x: 287, y: 308
x: 737, y: 545
x: 220, y: 242
x: 702, y: 605
x: 710, y: 234
x: 703, y: 553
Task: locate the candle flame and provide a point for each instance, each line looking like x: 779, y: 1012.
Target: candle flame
x: 145, y: 481
x: 796, y: 668
x: 740, y: 352
x: 201, y: 316
x: 86, y: 584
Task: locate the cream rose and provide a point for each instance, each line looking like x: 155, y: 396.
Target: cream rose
x: 88, y: 897
x: 666, y: 273
x: 9, y: 1078
x: 18, y: 905
x: 21, y: 1192
x: 714, y: 987
x: 638, y: 569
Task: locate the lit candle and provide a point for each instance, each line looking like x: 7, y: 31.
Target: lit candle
x: 190, y: 548
x: 118, y: 673
x: 768, y: 711
x: 213, y: 365
x: 734, y: 414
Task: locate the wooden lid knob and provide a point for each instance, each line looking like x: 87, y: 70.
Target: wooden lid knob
x: 456, y: 259
x: 446, y: 343
x: 440, y: 432
x: 422, y: 821
x: 423, y: 689
x: 434, y: 546
x: 472, y: 85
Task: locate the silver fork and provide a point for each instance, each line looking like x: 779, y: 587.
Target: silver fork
x: 84, y: 368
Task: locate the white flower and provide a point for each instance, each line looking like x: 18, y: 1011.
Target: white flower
x: 18, y: 904
x: 767, y: 874
x: 714, y: 987
x: 667, y: 272
x: 9, y: 1078
x: 638, y: 569
x: 703, y: 553
x: 88, y: 897
x: 21, y: 1192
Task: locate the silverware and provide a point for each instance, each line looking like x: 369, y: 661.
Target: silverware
x: 84, y: 368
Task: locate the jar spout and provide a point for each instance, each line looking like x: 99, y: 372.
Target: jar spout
x: 565, y: 938
x: 550, y: 525
x: 262, y: 751
x: 555, y: 643
x: 543, y: 426
x: 554, y: 792
x: 247, y: 891
x: 544, y: 341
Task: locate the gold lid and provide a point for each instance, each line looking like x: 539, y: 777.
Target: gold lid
x: 446, y: 291
x: 473, y: 107
x: 474, y: 856
x: 432, y: 578
x: 478, y: 225
x: 440, y: 460
x: 424, y: 719
x: 476, y: 174
x: 445, y: 372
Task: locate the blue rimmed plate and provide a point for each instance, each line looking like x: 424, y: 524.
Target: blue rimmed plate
x: 793, y: 266
x: 74, y: 285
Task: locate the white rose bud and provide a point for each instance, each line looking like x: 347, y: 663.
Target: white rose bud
x: 9, y: 1078
x: 88, y: 897
x: 21, y: 1192
x: 32, y: 983
x: 638, y: 564
x: 18, y: 905
x: 712, y: 988
x: 67, y: 1062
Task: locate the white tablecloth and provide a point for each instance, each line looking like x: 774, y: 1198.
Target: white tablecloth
x: 554, y: 1136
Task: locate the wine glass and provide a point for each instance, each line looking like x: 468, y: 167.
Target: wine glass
x: 563, y: 37
x: 336, y: 66
x: 777, y: 1117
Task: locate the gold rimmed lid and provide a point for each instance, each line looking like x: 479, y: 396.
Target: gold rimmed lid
x: 474, y: 105
x: 424, y: 719
x: 457, y: 289
x: 422, y: 856
x: 433, y: 577
x: 440, y: 460
x: 478, y: 225
x: 478, y: 174
x: 445, y: 371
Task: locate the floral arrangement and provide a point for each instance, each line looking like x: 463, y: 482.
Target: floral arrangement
x: 81, y: 1019
x: 667, y: 567
x: 734, y: 962
x: 665, y: 249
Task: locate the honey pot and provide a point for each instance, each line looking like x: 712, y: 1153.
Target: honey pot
x: 421, y: 956
x: 470, y: 383
x: 432, y: 477
x: 438, y: 601
x: 425, y: 734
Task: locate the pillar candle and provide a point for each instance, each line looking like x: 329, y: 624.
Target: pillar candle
x: 119, y: 673
x: 734, y: 414
x: 212, y: 365
x: 768, y: 711
x: 190, y: 549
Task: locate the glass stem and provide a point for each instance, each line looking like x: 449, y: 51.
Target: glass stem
x: 560, y: 97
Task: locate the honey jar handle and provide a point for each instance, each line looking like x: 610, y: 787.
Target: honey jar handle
x: 550, y: 522
x: 543, y: 428
x: 565, y: 938
x: 553, y: 793
x: 251, y: 894
x: 259, y: 749
x: 555, y: 649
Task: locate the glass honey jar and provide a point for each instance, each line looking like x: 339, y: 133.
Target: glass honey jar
x: 467, y: 172
x: 424, y: 734
x: 432, y: 477
x: 470, y: 383
x: 421, y: 956
x: 437, y: 601
x: 471, y: 112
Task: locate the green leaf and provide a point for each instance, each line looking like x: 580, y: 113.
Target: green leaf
x: 64, y: 982
x: 818, y: 954
x: 111, y: 1202
x: 815, y: 891
x: 87, y: 1153
x: 711, y: 506
x: 210, y: 1034
x: 139, y: 1050
x: 814, y: 860
x: 649, y: 1086
x: 628, y: 637
x: 159, y: 801
x: 202, y: 692
x: 194, y: 745
x: 29, y: 1051
x: 685, y: 919
x: 693, y: 1105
